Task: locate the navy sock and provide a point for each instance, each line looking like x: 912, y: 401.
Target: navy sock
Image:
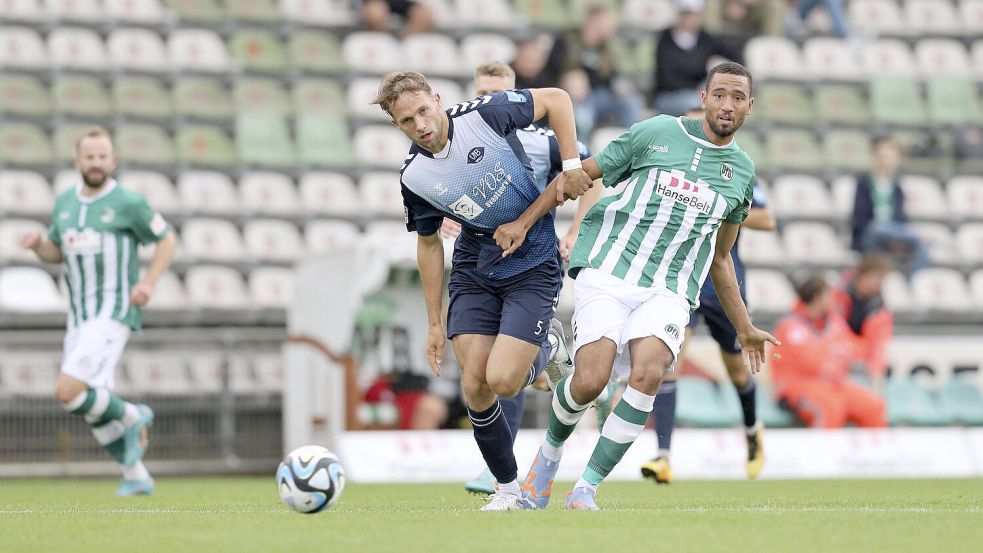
x: 539, y: 363
x: 665, y: 414
x: 494, y: 438
x: 748, y: 402
x: 512, y: 408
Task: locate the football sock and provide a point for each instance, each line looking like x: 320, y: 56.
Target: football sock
x: 105, y: 413
x: 622, y: 428
x: 137, y: 472
x: 491, y: 432
x: 564, y: 416
x: 665, y: 415
x: 539, y: 363
x: 749, y: 405
x: 512, y: 409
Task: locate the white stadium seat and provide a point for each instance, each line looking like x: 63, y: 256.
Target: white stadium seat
x: 89, y: 11
x: 381, y: 146
x: 844, y: 189
x: 28, y: 373
x: 65, y: 180
x: 324, y: 13
x: 22, y: 48
x: 242, y: 375
x: 832, y: 58
x: 434, y: 53
x: 272, y: 287
x: 443, y: 13
x: 155, y: 187
x: 971, y: 16
x: 169, y: 294
x: 205, y: 369
x: 25, y: 192
x: 268, y: 370
x: 815, y: 243
x: 266, y: 192
x: 648, y: 14
x: 480, y: 48
x: 969, y: 241
x: 889, y: 57
x: 371, y: 52
x: 329, y: 193
x: 76, y: 48
x: 327, y: 235
x: 11, y: 231
x: 29, y: 290
x: 941, y: 289
x: 771, y: 57
x: 138, y: 50
x: 212, y: 239
x: 923, y: 197
x: 158, y: 373
x: 966, y: 196
x: 879, y: 16
x: 939, y: 240
x: 450, y: 92
x: 392, y: 236
x: 760, y: 247
x: 769, y: 291
x: 897, y: 294
x: 361, y: 91
x: 198, y: 50
x: 147, y: 12
x: 22, y: 10
x: 272, y: 240
x: 801, y: 196
x: 941, y: 56
x: 931, y: 17
x: 602, y: 136
x: 208, y: 192
x: 213, y: 287
x: 976, y: 288
x: 381, y: 193
x: 495, y: 14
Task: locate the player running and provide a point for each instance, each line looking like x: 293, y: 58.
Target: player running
x: 95, y: 229
x: 466, y: 163
x: 640, y: 261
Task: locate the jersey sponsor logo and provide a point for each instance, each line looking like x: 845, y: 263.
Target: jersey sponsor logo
x: 406, y: 215
x: 107, y: 216
x: 440, y: 188
x: 515, y: 97
x: 697, y: 195
x: 81, y: 242
x: 726, y: 171
x: 465, y: 107
x: 158, y: 225
x: 492, y: 185
x: 476, y: 154
x: 659, y: 148
x: 466, y: 207
x: 64, y: 215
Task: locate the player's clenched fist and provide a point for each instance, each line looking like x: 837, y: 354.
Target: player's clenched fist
x: 572, y: 185
x: 31, y: 240
x: 510, y: 236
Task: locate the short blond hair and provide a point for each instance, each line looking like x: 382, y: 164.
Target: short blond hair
x: 93, y: 132
x: 494, y: 69
x: 397, y: 83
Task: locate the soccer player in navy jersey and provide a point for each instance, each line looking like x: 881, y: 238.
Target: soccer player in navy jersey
x: 466, y: 163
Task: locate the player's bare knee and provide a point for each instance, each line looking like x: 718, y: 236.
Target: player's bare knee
x: 646, y: 377
x: 587, y: 385
x: 503, y: 386
x: 67, y: 389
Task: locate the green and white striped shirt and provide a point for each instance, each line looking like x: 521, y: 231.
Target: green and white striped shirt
x: 661, y: 230
x: 98, y: 237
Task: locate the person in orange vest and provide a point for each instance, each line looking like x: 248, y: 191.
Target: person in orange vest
x: 811, y: 367
x: 860, y: 303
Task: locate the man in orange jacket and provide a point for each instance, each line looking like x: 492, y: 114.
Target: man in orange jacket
x: 861, y: 305
x: 811, y: 368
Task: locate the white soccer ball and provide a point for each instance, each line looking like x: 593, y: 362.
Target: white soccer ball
x: 310, y: 479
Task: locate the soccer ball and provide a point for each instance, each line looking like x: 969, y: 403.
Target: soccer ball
x: 310, y: 479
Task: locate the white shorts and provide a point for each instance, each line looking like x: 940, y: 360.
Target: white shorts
x: 92, y: 351
x: 609, y: 307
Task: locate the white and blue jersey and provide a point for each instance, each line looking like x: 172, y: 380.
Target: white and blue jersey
x: 482, y: 179
x: 708, y: 294
x: 543, y: 150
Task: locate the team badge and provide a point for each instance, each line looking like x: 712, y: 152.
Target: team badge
x: 476, y: 154
x: 672, y: 330
x: 107, y: 216
x: 726, y: 171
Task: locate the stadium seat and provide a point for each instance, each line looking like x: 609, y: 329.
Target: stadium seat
x: 701, y: 403
x: 242, y: 377
x: 374, y: 53
x: 198, y: 11
x: 434, y: 54
x: 889, y: 57
x: 22, y: 48
x: 215, y: 287
x: 258, y: 50
x: 848, y: 150
x: 962, y: 399
x: 444, y: 16
x: 256, y: 11
x: 380, y: 193
x: 261, y: 96
x: 795, y: 196
x: 329, y: 13
x: 391, y: 236
x: 879, y: 16
x: 832, y: 59
x: 155, y: 187
x: 897, y: 101
x: 931, y: 17
x: 169, y: 294
x: 971, y: 16
x: 143, y: 97
x: 29, y: 290
x: 643, y: 57
x: 941, y: 56
x: 23, y: 10
x: 761, y: 247
x: 198, y: 50
x: 488, y: 14
x: 205, y: 145
x: 80, y: 95
x: 272, y: 240
x: 271, y: 287
x: 208, y: 192
x: 265, y: 192
x: 769, y: 412
x: 206, y: 370
x: 268, y: 369
x: 23, y: 95
x: 264, y: 140
x: 842, y: 104
x: 324, y: 141
x: 211, y: 239
x: 87, y: 11
x: 28, y: 374
x: 578, y: 8
x: 329, y: 194
x: 653, y: 15
x: 814, y: 243
x: 965, y: 194
x: 25, y: 192
x: 923, y: 197
x: 326, y: 235
x: 784, y: 104
x: 910, y: 404
x: 65, y: 179
x: 319, y: 96
x: 550, y: 14
x: 77, y: 49
x: 769, y: 291
x: 938, y: 239
x: 953, y: 101
x: 793, y: 150
x: 158, y: 373
x: 602, y: 136
x: 450, y: 93
x: 24, y: 144
x: 138, y: 50
x: 752, y: 145
x: 939, y: 289
x: 382, y: 146
x: 897, y: 293
x: 772, y: 57
x: 480, y: 48
x: 361, y: 91
x: 13, y: 229
x: 976, y: 287
x: 202, y: 98
x: 969, y: 241
x: 844, y: 190
x: 316, y: 53
x: 143, y: 12
x: 144, y: 144
x: 64, y: 138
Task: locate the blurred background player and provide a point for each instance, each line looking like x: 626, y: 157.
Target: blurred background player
x: 466, y: 163
x: 724, y: 333
x: 95, y: 229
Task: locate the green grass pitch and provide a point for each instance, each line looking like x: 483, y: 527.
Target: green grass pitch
x: 209, y: 515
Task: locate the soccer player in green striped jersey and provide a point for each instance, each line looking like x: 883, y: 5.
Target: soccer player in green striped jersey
x: 95, y: 229
x: 640, y: 261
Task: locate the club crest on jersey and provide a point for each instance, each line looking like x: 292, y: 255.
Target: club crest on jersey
x: 726, y: 171
x: 466, y: 208
x: 672, y: 330
x: 64, y: 215
x: 107, y: 216
x: 476, y: 154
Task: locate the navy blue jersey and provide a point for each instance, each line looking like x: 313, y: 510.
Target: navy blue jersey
x: 708, y: 293
x: 482, y: 179
x: 544, y: 153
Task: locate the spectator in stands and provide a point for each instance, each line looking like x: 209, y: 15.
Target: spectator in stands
x: 879, y: 222
x: 811, y: 367
x: 582, y: 62
x: 682, y: 54
x: 530, y: 58
x: 737, y: 21
x: 860, y: 303
x: 417, y: 408
x: 800, y: 10
x: 416, y: 16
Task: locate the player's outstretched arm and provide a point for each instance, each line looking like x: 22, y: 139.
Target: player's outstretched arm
x: 555, y: 105
x: 430, y: 260
x: 760, y: 218
x: 163, y: 255
x: 725, y: 282
x: 45, y: 249
x: 584, y: 203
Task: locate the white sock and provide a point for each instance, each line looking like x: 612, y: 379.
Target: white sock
x: 552, y: 452
x: 663, y: 453
x: 585, y: 484
x: 135, y: 472
x: 751, y: 430
x: 510, y: 487
x: 130, y: 414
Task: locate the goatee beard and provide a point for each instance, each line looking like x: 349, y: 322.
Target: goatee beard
x: 94, y: 184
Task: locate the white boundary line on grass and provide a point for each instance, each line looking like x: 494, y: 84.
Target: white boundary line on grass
x: 279, y: 510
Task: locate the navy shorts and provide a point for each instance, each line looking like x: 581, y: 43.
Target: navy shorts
x: 521, y: 306
x: 721, y: 329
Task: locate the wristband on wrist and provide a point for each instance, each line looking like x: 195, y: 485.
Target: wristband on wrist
x: 571, y: 164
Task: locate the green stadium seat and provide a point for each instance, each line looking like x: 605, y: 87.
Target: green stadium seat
x: 65, y: 136
x: 258, y: 50
x: 926, y: 152
x: 578, y: 8
x: 264, y: 140
x: 206, y: 146
x: 897, y: 101
x: 751, y: 144
x: 142, y: 97
x: 260, y: 11
x: 644, y: 54
x: 910, y: 404
x: 324, y: 141
x: 545, y: 13
x: 794, y: 149
x: 848, y: 150
x: 23, y: 95
x: 838, y: 103
x: 259, y: 95
x: 963, y: 400
x: 953, y: 101
x: 81, y: 95
x: 144, y: 144
x: 319, y: 96
x: 198, y: 11
x: 24, y: 144
x: 202, y: 97
x: 316, y: 52
x: 700, y: 403
x: 769, y: 412
x: 783, y: 103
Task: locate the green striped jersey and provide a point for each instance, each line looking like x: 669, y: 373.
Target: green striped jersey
x: 98, y: 237
x: 661, y: 230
